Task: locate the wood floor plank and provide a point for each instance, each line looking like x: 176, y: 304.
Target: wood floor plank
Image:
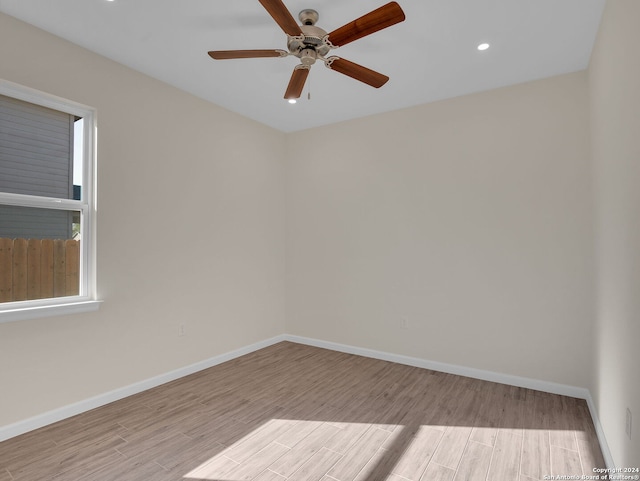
x: 303, y: 429
x: 444, y: 404
x: 200, y: 451
x: 26, y: 447
x: 413, y: 461
x: 291, y: 411
x: 484, y: 435
x: 154, y: 443
x: 451, y: 447
x: 590, y: 456
x: 562, y: 430
x: 359, y: 455
x: 536, y: 461
x: 317, y: 466
x: 436, y: 472
x: 488, y: 417
x: 512, y: 418
x: 590, y: 452
x: 92, y: 433
x: 268, y: 475
x: 343, y: 441
x: 128, y: 470
x: 259, y: 439
x: 218, y: 467
x: 228, y: 431
x: 303, y: 450
x: 67, y: 459
x: 391, y: 477
x: 475, y: 461
x: 379, y: 467
x: 565, y: 462
x: 505, y: 463
x: 258, y: 462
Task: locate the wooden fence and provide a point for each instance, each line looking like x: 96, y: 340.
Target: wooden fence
x: 38, y: 269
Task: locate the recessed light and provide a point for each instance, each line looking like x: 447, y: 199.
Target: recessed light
x: 483, y: 46
x: 292, y: 101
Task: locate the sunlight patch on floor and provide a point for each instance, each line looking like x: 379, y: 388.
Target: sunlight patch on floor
x: 300, y: 449
x: 272, y: 441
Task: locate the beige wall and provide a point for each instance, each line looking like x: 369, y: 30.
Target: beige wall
x: 190, y: 229
x: 469, y: 217
x: 614, y: 79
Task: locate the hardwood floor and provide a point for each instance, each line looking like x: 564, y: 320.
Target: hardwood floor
x: 292, y: 412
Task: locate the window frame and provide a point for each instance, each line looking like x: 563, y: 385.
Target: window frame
x: 86, y: 300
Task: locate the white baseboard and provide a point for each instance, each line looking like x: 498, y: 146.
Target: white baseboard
x: 606, y: 452
x: 50, y: 417
x: 536, y: 384
x: 65, y: 412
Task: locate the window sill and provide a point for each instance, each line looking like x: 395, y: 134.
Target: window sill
x: 33, y: 312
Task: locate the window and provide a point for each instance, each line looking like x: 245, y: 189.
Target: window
x: 47, y: 207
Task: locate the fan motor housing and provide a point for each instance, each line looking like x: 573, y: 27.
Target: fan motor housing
x: 312, y: 39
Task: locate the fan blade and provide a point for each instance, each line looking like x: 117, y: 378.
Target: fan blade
x: 382, y: 17
x: 296, y: 84
x: 282, y: 16
x: 358, y: 72
x: 231, y: 54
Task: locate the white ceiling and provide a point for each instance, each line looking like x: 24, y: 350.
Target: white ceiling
x: 431, y: 56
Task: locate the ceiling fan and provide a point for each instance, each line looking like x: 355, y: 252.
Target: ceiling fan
x: 310, y: 43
